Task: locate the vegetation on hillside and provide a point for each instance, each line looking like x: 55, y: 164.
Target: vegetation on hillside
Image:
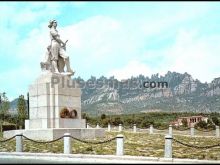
x: 144, y: 120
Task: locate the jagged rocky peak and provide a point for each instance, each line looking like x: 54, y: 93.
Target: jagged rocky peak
x: 188, y: 85
x: 214, y: 87
x: 184, y: 93
x: 216, y: 81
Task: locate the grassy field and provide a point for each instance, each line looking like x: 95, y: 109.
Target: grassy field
x: 138, y: 144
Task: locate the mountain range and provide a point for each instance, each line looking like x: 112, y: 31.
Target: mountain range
x: 183, y: 94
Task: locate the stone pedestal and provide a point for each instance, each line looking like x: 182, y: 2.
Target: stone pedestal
x: 48, y: 95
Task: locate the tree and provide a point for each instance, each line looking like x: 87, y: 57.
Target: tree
x: 85, y: 116
x: 4, y: 107
x: 116, y: 121
x: 22, y: 113
x: 184, y: 121
x: 215, y: 120
x: 103, y: 116
x: 145, y: 123
x: 202, y: 124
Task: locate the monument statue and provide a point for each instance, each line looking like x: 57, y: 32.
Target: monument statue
x: 54, y: 105
x: 56, y: 57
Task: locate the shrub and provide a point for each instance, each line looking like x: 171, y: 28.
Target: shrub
x: 215, y: 120
x: 117, y: 121
x: 103, y: 116
x: 8, y: 127
x: 202, y: 124
x: 145, y: 123
x: 184, y: 121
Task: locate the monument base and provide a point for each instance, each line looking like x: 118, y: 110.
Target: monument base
x: 54, y: 133
x: 58, y: 123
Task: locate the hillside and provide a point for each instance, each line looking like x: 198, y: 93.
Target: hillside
x: 110, y: 96
x: 184, y: 94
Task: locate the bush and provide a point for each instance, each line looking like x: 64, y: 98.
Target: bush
x: 202, y: 124
x: 160, y: 125
x: 104, y: 122
x: 184, y: 121
x: 146, y: 123
x: 8, y: 127
x: 215, y: 120
x: 117, y: 121
x: 103, y: 116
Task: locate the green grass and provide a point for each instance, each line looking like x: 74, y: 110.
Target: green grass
x: 137, y: 144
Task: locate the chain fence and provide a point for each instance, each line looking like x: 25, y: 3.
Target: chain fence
x: 161, y: 129
x: 43, y: 145
x: 92, y: 142
x: 156, y: 128
x: 180, y: 129
x: 106, y: 141
x: 91, y: 126
x: 4, y: 144
x: 2, y: 141
x: 127, y: 127
x: 35, y: 141
x: 80, y: 140
x: 194, y: 146
x: 204, y: 130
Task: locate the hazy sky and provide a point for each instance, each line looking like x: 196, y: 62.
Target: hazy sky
x: 110, y: 38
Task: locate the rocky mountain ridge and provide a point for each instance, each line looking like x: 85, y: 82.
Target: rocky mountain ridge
x: 130, y: 96
x: 109, y: 96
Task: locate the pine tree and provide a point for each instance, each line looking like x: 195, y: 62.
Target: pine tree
x: 21, y: 109
x: 4, y: 107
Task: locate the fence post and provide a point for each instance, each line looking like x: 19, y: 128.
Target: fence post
x: 170, y: 130
x: 19, y: 141
x: 97, y: 126
x: 168, y: 146
x: 217, y: 131
x: 135, y: 128
x: 120, y: 145
x: 67, y: 144
x: 120, y: 128
x: 192, y: 131
x: 109, y: 127
x: 151, y: 129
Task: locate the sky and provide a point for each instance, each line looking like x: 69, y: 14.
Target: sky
x: 120, y: 39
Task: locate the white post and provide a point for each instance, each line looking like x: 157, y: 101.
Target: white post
x: 151, y: 129
x: 217, y: 131
x: 135, y: 128
x: 67, y: 144
x: 19, y: 141
x: 192, y: 131
x: 168, y: 146
x: 109, y: 127
x: 120, y: 128
x: 87, y: 125
x: 120, y: 145
x: 170, y: 130
x: 97, y: 126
